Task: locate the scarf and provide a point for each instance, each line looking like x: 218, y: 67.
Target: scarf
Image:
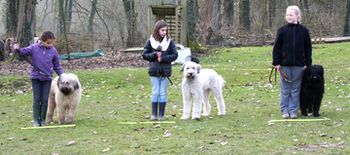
x: 164, y: 44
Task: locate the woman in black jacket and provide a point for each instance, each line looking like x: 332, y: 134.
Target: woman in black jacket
x: 160, y: 51
x: 291, y: 55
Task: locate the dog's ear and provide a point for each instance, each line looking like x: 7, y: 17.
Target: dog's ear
x: 187, y: 59
x: 76, y: 85
x: 198, y: 68
x: 182, y: 67
x: 321, y: 70
x: 195, y: 59
x: 59, y: 80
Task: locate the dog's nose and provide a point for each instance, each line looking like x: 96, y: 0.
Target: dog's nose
x: 190, y: 74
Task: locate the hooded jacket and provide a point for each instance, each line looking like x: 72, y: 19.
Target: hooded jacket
x: 163, y: 68
x: 45, y: 59
x: 292, y: 46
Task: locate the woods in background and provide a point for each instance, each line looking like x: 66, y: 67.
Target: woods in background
x: 111, y: 24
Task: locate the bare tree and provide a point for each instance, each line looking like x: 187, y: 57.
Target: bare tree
x: 346, y: 20
x: 228, y: 12
x: 64, y: 29
x: 92, y: 16
x: 244, y: 15
x: 26, y: 22
x: 192, y: 15
x: 271, y: 12
x: 68, y: 13
x: 60, y: 23
x: 131, y: 16
x: 11, y: 17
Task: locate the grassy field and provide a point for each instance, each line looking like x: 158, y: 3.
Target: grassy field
x: 118, y: 95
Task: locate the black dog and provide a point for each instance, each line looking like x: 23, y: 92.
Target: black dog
x: 312, y: 89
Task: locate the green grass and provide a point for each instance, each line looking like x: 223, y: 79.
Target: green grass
x: 123, y: 94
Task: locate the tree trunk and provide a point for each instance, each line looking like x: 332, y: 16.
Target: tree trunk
x: 216, y: 16
x: 60, y: 13
x: 244, y: 15
x: 92, y: 16
x: 68, y: 12
x: 26, y: 22
x: 11, y: 17
x: 129, y: 7
x: 192, y: 15
x: 63, y: 26
x: 228, y: 12
x: 346, y: 21
x: 271, y: 12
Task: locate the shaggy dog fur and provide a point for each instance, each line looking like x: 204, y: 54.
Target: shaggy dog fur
x: 312, y: 90
x: 65, y: 93
x: 197, y: 85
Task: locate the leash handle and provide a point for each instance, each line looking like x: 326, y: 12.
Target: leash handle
x: 171, y: 82
x: 270, y: 77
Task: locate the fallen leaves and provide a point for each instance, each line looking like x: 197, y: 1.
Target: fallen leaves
x: 70, y: 143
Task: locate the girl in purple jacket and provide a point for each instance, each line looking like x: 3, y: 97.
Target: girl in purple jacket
x: 44, y: 61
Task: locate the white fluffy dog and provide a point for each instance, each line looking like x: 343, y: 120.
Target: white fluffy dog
x: 197, y: 84
x: 65, y: 93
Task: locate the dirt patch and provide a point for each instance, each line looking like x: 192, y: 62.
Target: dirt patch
x: 110, y: 60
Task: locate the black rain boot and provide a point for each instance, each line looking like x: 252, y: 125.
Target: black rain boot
x: 161, y: 110
x: 154, y: 116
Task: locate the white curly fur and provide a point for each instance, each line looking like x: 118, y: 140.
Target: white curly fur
x: 65, y: 93
x: 197, y: 84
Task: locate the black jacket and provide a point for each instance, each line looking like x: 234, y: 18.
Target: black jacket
x: 292, y: 46
x: 163, y: 68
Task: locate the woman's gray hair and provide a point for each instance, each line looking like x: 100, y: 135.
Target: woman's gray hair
x: 296, y: 10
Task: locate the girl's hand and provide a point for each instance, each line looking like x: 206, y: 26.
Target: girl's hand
x: 16, y: 46
x: 159, y: 56
x: 277, y: 67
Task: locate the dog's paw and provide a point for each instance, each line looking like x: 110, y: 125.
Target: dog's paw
x: 316, y: 114
x: 196, y: 118
x: 221, y: 113
x: 185, y: 117
x: 205, y: 114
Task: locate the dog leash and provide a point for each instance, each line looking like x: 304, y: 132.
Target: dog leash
x: 283, y: 75
x: 287, y: 79
x: 171, y: 82
x: 270, y: 77
x: 26, y: 58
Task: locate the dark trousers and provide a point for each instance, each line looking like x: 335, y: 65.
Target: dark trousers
x: 41, y: 90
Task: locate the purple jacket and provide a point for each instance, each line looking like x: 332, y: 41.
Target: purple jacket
x: 46, y: 59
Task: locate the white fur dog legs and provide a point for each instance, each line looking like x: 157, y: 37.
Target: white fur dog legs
x: 197, y: 85
x: 65, y: 93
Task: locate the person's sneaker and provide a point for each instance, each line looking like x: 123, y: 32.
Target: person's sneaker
x: 153, y: 118
x: 161, y: 119
x: 293, y: 116
x: 285, y: 116
x: 36, y: 124
x: 43, y: 123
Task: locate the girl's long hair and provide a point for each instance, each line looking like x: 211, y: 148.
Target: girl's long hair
x: 160, y: 24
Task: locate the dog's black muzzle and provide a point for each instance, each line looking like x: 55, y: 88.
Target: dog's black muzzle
x: 66, y: 91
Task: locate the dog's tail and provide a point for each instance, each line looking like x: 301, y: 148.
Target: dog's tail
x: 221, y: 81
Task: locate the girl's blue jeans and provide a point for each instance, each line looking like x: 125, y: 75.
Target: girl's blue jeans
x: 159, y: 89
x: 290, y: 89
x: 41, y: 90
